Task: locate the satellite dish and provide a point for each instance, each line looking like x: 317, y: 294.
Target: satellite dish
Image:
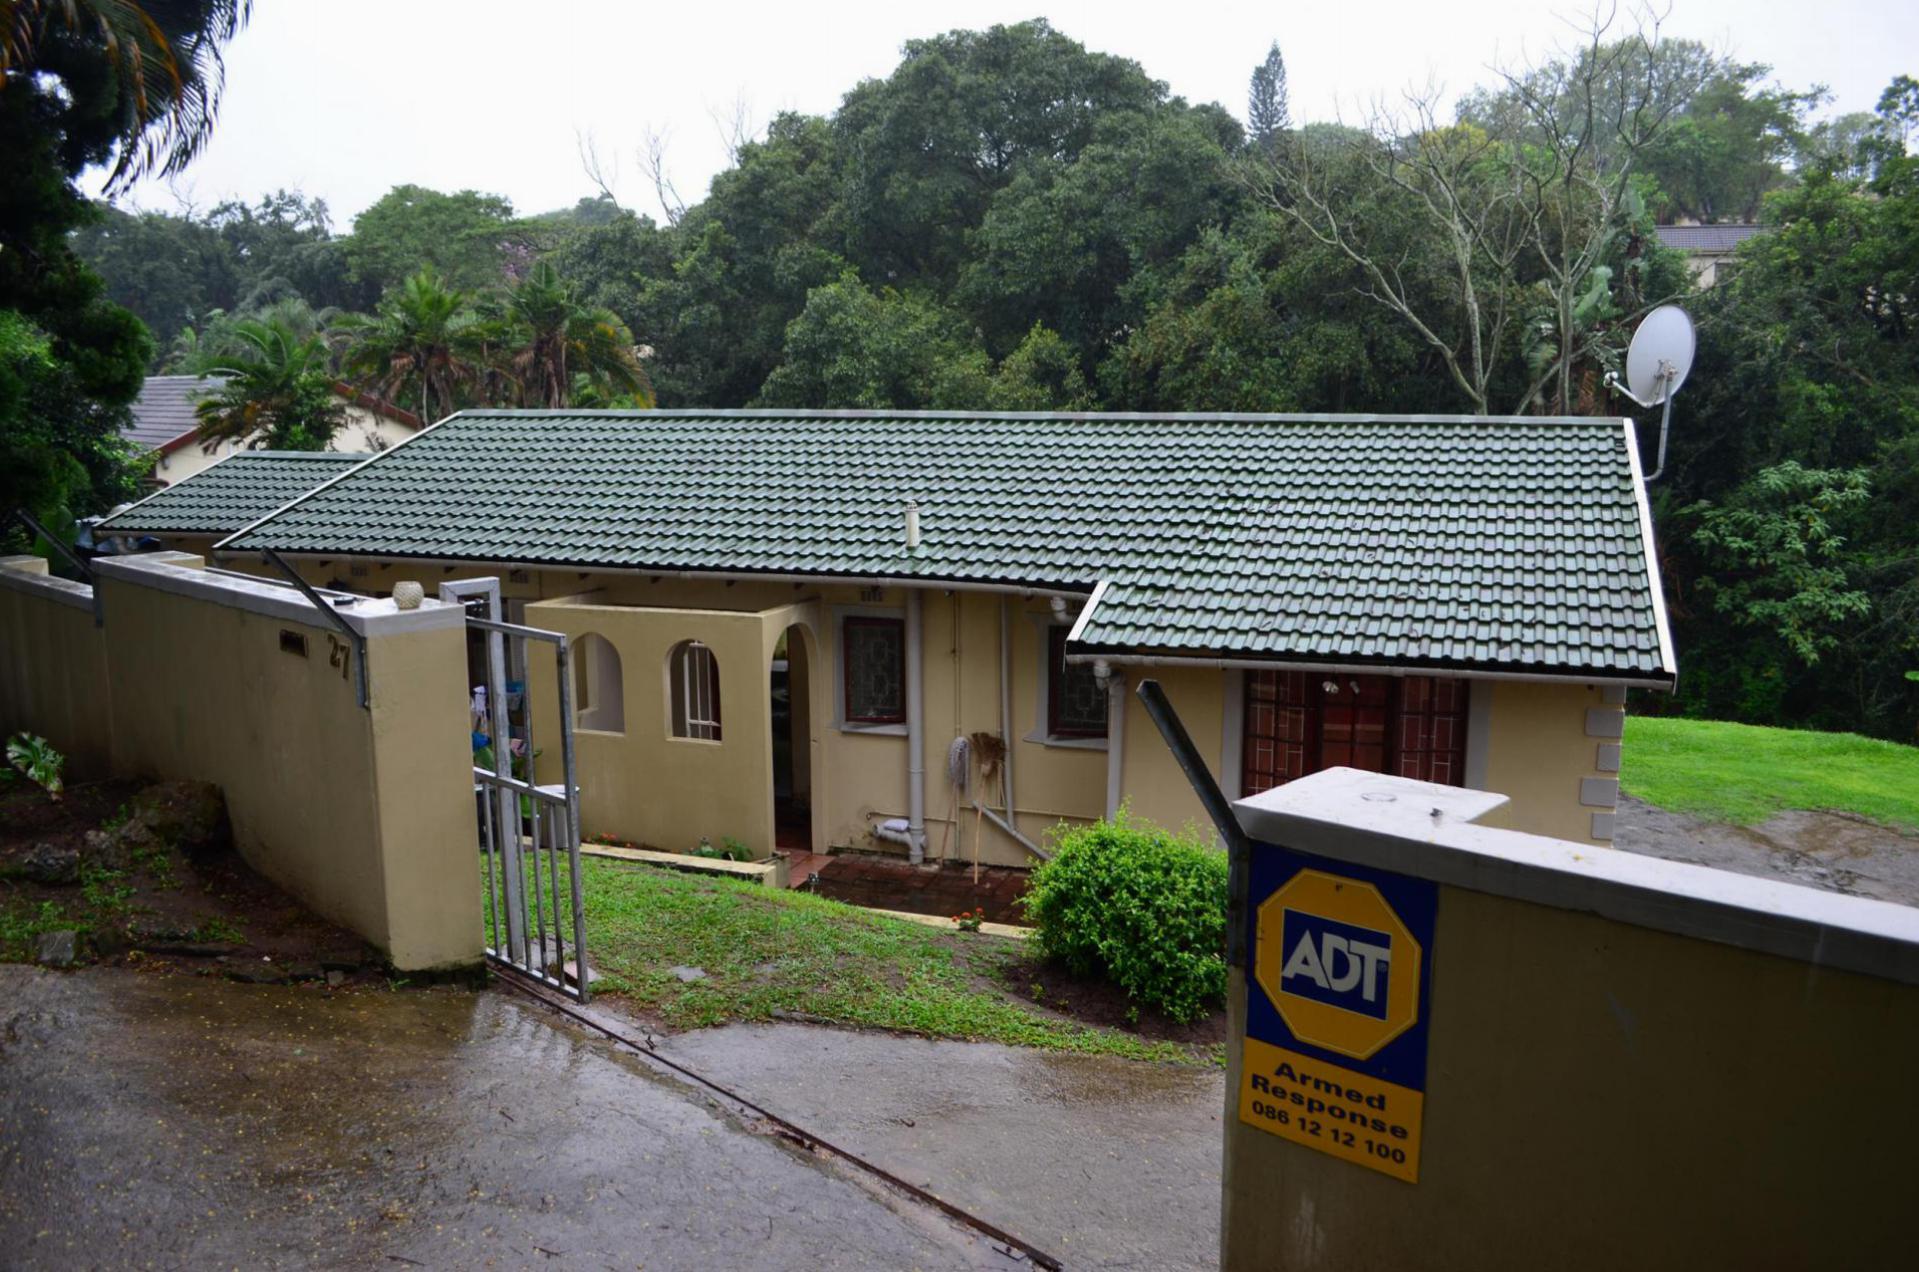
x: 1660, y: 356
x: 1656, y: 365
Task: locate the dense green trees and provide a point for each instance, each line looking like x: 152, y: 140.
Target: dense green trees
x: 130, y: 89
x: 1789, y: 517
x: 1010, y: 221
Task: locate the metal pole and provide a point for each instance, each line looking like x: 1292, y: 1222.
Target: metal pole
x: 1238, y: 847
x: 570, y: 775
x: 355, y: 641
x: 34, y: 527
x: 1665, y: 427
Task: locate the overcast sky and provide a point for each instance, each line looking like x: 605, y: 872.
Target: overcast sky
x: 347, y: 98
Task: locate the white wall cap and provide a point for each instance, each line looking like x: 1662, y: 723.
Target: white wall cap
x: 49, y: 587
x: 1427, y: 832
x: 369, y: 616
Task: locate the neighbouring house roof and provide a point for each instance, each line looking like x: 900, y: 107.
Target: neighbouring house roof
x: 1707, y: 238
x: 229, y: 495
x: 163, y: 412
x: 1511, y: 544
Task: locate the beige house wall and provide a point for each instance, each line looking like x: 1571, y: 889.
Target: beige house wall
x: 1527, y: 739
x: 364, y: 430
x: 643, y: 783
x: 1552, y: 749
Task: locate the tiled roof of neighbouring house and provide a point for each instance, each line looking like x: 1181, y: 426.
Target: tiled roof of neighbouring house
x: 1707, y: 238
x: 231, y: 494
x: 164, y: 409
x: 1514, y: 544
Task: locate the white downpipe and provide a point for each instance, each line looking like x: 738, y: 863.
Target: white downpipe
x: 915, y: 730
x: 1115, y: 742
x: 1006, y: 708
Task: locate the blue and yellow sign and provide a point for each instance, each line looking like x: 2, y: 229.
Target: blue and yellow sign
x: 1335, y: 1050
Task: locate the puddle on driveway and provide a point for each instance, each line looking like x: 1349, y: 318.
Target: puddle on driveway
x: 171, y: 1121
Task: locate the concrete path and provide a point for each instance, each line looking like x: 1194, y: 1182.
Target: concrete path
x: 172, y: 1121
x: 1102, y: 1163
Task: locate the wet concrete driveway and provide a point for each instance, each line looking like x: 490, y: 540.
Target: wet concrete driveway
x: 173, y: 1121
x: 1102, y: 1163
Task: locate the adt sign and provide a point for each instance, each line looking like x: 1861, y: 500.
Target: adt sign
x: 1334, y: 962
x: 1334, y: 1056
x: 1337, y: 962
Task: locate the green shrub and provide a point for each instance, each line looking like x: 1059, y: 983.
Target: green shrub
x: 1143, y: 908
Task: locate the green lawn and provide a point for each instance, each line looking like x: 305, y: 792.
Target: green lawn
x: 1744, y: 774
x: 766, y: 951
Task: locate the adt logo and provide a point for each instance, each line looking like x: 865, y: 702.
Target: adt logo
x: 1336, y: 963
x: 1340, y: 968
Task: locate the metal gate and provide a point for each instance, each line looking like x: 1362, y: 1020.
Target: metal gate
x: 528, y: 834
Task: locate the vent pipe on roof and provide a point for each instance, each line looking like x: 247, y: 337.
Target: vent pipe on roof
x: 912, y: 525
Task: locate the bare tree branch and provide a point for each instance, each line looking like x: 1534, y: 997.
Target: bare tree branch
x: 603, y: 173
x: 652, y: 156
x: 735, y: 124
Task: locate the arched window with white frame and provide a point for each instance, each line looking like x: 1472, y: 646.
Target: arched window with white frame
x: 693, y: 684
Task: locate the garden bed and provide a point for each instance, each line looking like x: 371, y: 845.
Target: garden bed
x: 687, y: 951
x: 157, y: 905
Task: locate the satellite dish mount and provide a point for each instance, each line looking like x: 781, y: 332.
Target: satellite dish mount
x: 1656, y: 365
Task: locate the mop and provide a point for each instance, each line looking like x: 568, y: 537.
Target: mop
x: 959, y: 772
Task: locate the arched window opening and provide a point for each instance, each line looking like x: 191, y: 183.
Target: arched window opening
x: 694, y: 681
x: 599, y: 697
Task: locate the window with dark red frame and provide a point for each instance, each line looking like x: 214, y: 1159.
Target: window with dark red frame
x: 873, y: 669
x: 1300, y: 722
x: 1075, y: 699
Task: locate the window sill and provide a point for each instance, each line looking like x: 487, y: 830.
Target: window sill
x: 1067, y: 744
x: 695, y: 741
x: 884, y: 730
x: 580, y: 730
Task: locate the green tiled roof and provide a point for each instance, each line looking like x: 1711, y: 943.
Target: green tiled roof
x: 231, y: 494
x: 1510, y: 544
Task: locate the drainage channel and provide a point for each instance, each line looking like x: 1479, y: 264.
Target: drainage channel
x: 1005, y: 1242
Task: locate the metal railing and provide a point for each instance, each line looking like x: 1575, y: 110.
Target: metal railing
x: 529, y: 834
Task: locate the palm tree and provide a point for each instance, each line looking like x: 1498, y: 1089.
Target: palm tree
x: 165, y: 58
x: 562, y: 350
x: 425, y: 344
x: 278, y: 391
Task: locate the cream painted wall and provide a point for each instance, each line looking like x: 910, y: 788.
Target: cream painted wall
x: 367, y: 816
x: 1534, y: 738
x: 1538, y: 753
x: 1603, y: 1096
x: 1153, y: 782
x: 364, y: 430
x: 53, y: 671
x: 643, y: 783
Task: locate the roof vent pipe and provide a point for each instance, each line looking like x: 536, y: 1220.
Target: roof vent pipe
x: 912, y: 525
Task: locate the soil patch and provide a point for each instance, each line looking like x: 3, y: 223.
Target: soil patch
x: 155, y: 902
x: 1835, y: 851
x: 1048, y: 985
x: 878, y: 883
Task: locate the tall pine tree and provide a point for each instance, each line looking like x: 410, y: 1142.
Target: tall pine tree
x: 1267, y: 115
